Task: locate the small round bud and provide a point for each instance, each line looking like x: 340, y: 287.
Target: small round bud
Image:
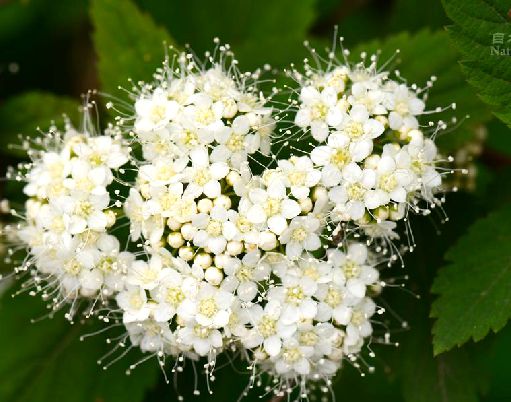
x: 397, y: 212
x: 175, y: 240
x: 371, y: 162
x: 214, y: 276
x: 306, y: 204
x: 188, y: 231
x: 204, y: 205
x: 110, y: 218
x: 383, y: 120
x: 365, y: 220
x: 230, y: 108
x: 186, y: 253
x: 223, y: 201
x: 232, y: 178
x: 221, y: 260
x: 173, y: 224
x: 381, y: 213
x: 319, y: 193
x: 204, y: 260
x: 234, y: 247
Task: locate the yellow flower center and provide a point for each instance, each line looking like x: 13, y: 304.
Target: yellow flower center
x: 351, y: 269
x: 208, y: 307
x: 235, y: 143
x: 354, y: 129
x: 340, y: 157
x: 355, y: 191
x: 294, y: 294
x: 299, y: 234
x: 309, y: 338
x: 319, y: 111
x: 267, y: 327
x: 333, y: 297
x: 291, y: 355
x: 214, y: 228
x: 387, y: 182
x: 202, y: 176
x: 174, y: 296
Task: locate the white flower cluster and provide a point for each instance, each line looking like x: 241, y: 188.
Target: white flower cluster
x: 374, y: 158
x: 218, y: 256
x: 69, y: 213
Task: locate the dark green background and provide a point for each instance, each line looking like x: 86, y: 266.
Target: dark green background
x: 47, y: 45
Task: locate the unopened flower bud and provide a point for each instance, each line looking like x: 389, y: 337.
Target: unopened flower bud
x: 305, y: 205
x: 175, y: 240
x: 173, y: 224
x: 204, y: 260
x: 110, y: 218
x: 188, y: 231
x: 223, y: 201
x: 186, y: 253
x: 234, y: 247
x: 204, y: 205
x: 214, y: 276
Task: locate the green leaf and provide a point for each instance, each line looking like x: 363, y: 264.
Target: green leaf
x: 475, y: 288
x: 449, y: 377
x: 259, y: 31
x: 24, y: 113
x: 45, y: 361
x: 481, y: 31
x: 128, y: 43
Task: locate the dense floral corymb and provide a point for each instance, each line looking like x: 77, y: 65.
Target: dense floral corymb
x: 198, y: 239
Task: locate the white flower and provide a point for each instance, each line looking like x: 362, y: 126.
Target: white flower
x: 392, y: 179
x: 301, y: 234
x: 293, y: 359
x: 205, y: 115
x: 359, y: 325
x: 203, y: 177
x: 352, y: 197
x: 210, y: 307
x: 361, y: 129
x: 314, y: 110
x: 47, y: 175
x: 232, y: 142
x: 214, y: 229
x: 172, y: 289
x: 82, y: 214
x: 133, y: 301
x: 272, y: 206
x: 369, y: 95
x: 162, y: 171
x: 356, y: 271
x: 151, y: 336
x: 332, y: 157
x: 404, y: 106
x: 141, y: 220
x: 300, y: 175
x: 155, y: 111
x: 202, y: 339
x: 147, y: 275
x: 295, y: 295
x: 268, y: 329
x: 243, y: 276
x: 102, y: 151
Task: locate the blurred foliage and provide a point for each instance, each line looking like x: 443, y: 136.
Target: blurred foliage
x: 22, y: 113
x: 479, y: 24
x: 51, y: 52
x: 50, y: 363
x: 470, y: 308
